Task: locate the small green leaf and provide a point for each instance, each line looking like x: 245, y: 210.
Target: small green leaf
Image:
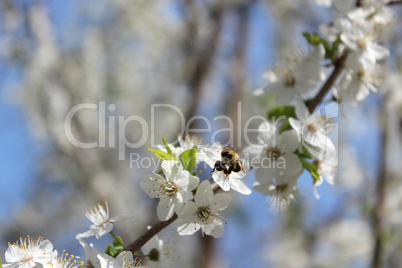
x: 312, y: 168
x: 281, y: 111
x: 305, y: 153
x: 119, y: 248
x: 314, y: 39
x: 118, y: 242
x: 111, y: 251
x: 335, y: 47
x: 169, y: 151
x: 189, y: 159
x: 161, y: 154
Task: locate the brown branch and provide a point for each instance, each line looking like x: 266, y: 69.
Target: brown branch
x: 204, y: 58
x: 156, y: 228
x: 339, y: 65
x: 379, y: 211
x: 393, y: 2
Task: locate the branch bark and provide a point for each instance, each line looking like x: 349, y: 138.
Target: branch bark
x: 339, y: 65
x: 204, y: 59
x: 156, y: 228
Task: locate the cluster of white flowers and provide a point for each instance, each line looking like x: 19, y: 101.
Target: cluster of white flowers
x: 350, y: 46
x: 28, y: 253
x: 180, y: 193
x: 296, y: 76
x: 359, y: 30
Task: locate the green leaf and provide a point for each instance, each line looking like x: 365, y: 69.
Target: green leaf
x: 111, y: 251
x: 335, y: 47
x: 118, y: 242
x: 119, y: 248
x: 312, y: 168
x: 305, y: 153
x: 169, y: 151
x: 313, y: 39
x: 194, y: 173
x: 285, y: 126
x: 189, y: 159
x: 161, y: 154
x: 116, y: 248
x: 281, y: 111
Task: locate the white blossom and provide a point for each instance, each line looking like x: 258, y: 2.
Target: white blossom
x: 27, y: 253
x: 327, y: 172
x: 123, y: 260
x: 373, y: 15
x: 365, y: 51
x: 91, y: 254
x: 102, y: 223
x: 172, y: 190
x: 297, y: 76
x: 275, y: 154
x: 356, y: 85
x: 282, y: 189
x: 204, y: 212
x: 314, y: 131
x: 159, y: 252
x: 64, y: 261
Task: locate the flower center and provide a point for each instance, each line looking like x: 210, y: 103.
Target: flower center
x: 204, y: 212
x: 361, y: 42
x: 312, y: 127
x: 361, y: 74
x: 290, y: 81
x: 281, y: 188
x: 274, y: 153
x: 27, y: 259
x: 169, y: 188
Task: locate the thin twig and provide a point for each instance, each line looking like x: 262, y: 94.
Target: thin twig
x: 339, y: 65
x: 156, y: 228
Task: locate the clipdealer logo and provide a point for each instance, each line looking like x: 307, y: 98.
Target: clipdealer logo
x: 116, y: 125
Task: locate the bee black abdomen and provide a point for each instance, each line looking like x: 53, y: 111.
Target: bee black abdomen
x: 236, y: 167
x: 219, y: 166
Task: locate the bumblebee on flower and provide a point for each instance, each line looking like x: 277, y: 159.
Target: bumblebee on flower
x: 228, y: 170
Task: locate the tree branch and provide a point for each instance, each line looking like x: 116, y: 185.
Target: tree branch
x: 204, y: 59
x: 339, y: 65
x: 379, y: 210
x: 156, y: 228
x: 393, y: 2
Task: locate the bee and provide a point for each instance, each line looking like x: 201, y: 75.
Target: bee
x: 230, y: 162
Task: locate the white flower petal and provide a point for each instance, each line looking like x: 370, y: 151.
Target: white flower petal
x: 204, y: 194
x: 293, y: 165
x: 215, y: 228
x: 289, y: 141
x: 220, y: 202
